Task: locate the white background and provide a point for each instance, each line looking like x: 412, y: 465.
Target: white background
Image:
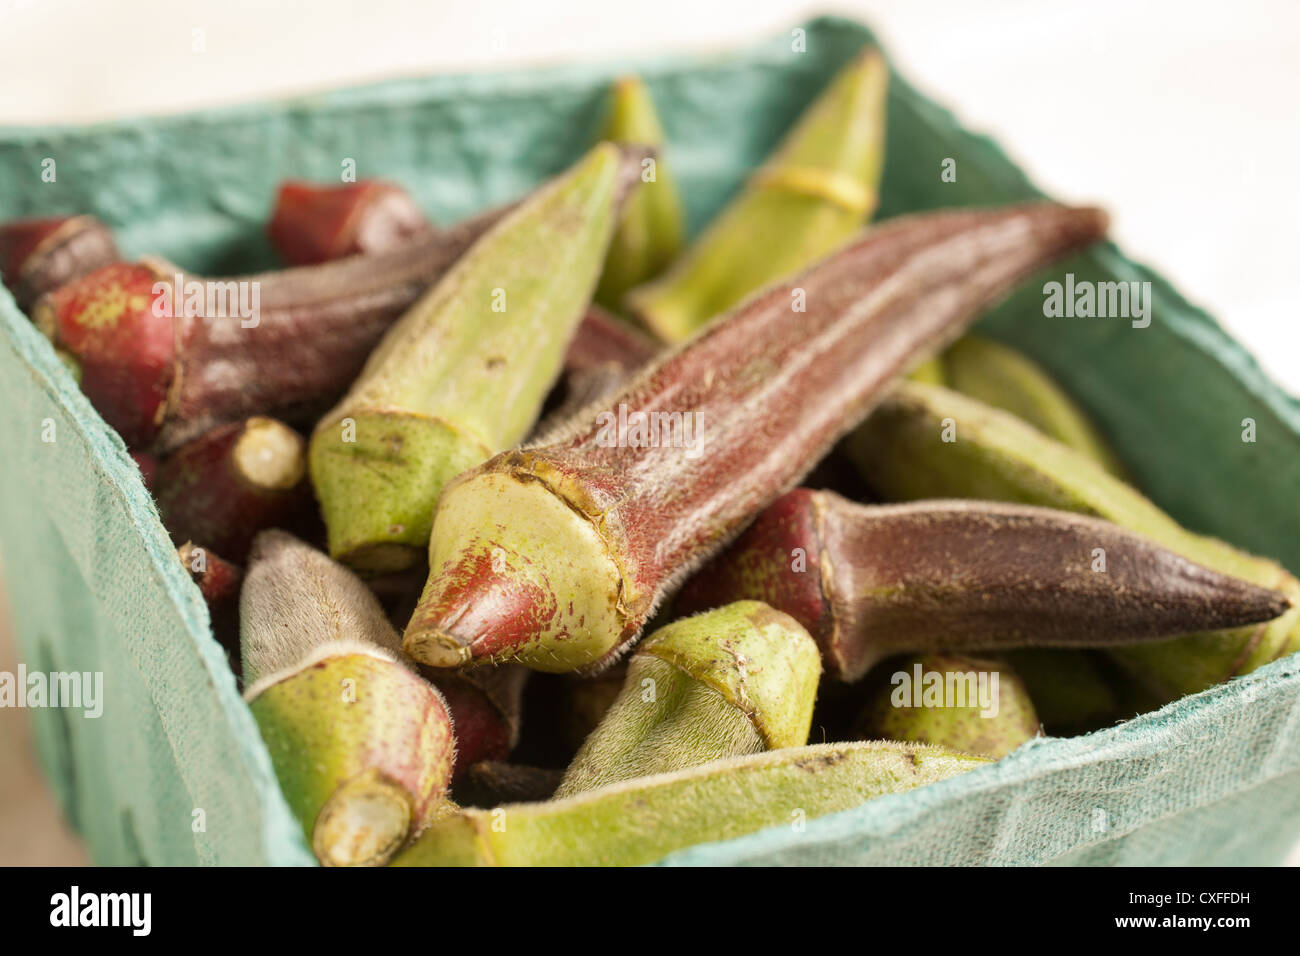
x: 1179, y: 117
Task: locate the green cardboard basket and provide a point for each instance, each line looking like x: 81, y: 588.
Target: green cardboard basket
x: 95, y: 585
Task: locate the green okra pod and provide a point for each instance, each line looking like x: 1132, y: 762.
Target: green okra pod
x: 737, y: 680
x: 463, y: 373
x: 869, y: 581
x: 971, y: 704
x: 1000, y: 376
x: 813, y: 193
x: 640, y: 821
x: 650, y: 233
x: 926, y: 442
x: 362, y: 746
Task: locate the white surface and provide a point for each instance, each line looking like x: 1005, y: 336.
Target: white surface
x: 1179, y: 117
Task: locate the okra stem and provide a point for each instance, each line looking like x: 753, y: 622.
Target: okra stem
x: 315, y: 223
x: 230, y: 483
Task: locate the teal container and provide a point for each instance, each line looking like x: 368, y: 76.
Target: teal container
x: 174, y: 771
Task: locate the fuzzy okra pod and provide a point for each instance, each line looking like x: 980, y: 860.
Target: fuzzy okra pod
x: 556, y: 554
x: 737, y: 680
x: 960, y: 703
x: 1002, y: 377
x: 40, y: 255
x: 228, y: 484
x: 1071, y: 693
x: 650, y: 232
x: 312, y: 220
x: 642, y: 820
x: 869, y: 581
x: 165, y: 356
x: 315, y: 223
x: 361, y: 744
x: 926, y: 442
x: 463, y: 374
x: 813, y: 193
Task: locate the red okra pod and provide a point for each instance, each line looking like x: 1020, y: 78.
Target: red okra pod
x: 40, y: 255
x: 165, y: 355
x: 315, y: 223
x: 557, y: 554
x: 232, y: 482
x: 870, y: 581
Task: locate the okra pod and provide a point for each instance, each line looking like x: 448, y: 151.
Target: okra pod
x: 869, y: 581
x: 640, y: 821
x: 462, y: 375
x: 217, y: 578
x: 737, y: 680
x: 650, y: 233
x: 926, y: 442
x: 311, y: 219
x: 813, y: 193
x: 218, y: 581
x: 485, y: 706
x: 1000, y: 376
x: 165, y: 356
x: 362, y: 745
x: 555, y: 555
x: 232, y: 482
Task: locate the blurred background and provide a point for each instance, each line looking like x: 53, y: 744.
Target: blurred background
x: 1179, y: 117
